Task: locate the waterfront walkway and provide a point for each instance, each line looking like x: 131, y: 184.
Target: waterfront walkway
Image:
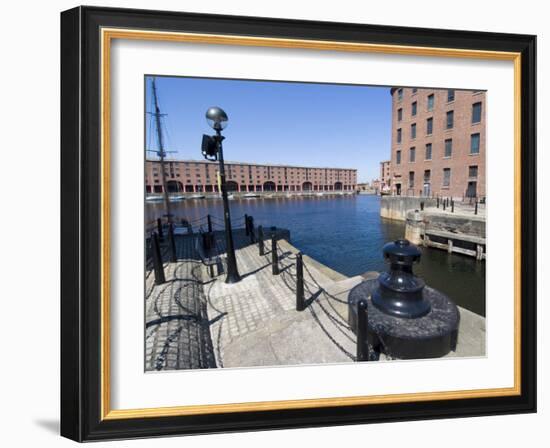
x: 194, y: 321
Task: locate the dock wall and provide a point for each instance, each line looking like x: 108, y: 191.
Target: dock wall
x: 453, y: 233
x: 396, y: 207
x: 469, y: 225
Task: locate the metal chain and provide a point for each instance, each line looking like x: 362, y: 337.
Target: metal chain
x: 161, y: 358
x: 339, y: 324
x: 338, y: 345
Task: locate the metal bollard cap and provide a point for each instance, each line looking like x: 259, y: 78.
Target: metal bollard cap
x: 401, y: 253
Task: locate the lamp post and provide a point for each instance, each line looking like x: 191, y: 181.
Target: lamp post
x: 212, y: 149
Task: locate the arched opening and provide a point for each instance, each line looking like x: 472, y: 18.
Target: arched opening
x: 232, y: 186
x: 174, y: 186
x: 269, y: 186
x: 307, y: 186
x: 338, y: 186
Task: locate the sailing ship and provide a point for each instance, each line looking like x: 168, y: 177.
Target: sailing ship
x: 156, y: 116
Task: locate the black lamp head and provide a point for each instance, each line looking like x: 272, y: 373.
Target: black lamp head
x: 216, y: 118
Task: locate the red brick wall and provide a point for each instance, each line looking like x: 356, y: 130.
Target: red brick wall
x: 385, y: 174
x: 460, y: 160
x: 201, y: 176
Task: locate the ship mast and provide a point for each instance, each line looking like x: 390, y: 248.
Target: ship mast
x: 161, y: 152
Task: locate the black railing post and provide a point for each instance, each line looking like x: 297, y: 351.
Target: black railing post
x: 438, y: 202
x: 274, y: 256
x: 246, y: 225
x: 300, y: 300
x: 422, y: 206
x: 209, y: 219
x: 159, y: 229
x: 475, y: 211
x: 172, y: 242
x: 443, y: 204
x: 452, y: 206
x: 261, y: 248
x: 205, y: 242
x: 362, y: 330
x: 251, y: 229
x: 187, y: 224
x: 157, y: 260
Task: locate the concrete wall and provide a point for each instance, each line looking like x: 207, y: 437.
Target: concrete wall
x: 396, y: 207
x: 415, y: 227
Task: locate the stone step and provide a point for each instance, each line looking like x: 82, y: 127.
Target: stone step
x: 344, y: 286
x: 337, y: 295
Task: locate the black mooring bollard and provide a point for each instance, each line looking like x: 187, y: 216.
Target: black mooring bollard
x: 159, y: 229
x: 172, y: 241
x: 209, y: 219
x: 274, y: 256
x: 300, y: 300
x: 362, y: 330
x: 157, y: 260
x: 422, y: 206
x: 261, y: 248
x: 475, y: 211
x: 246, y: 225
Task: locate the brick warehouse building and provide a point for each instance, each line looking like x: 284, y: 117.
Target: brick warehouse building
x: 438, y: 142
x: 385, y: 176
x: 201, y: 176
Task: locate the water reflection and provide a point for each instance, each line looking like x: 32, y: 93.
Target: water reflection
x: 346, y: 234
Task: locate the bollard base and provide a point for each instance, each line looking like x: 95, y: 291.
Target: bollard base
x: 430, y: 336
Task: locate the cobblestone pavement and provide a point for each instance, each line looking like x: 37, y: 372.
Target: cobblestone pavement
x: 256, y: 322
x: 177, y: 332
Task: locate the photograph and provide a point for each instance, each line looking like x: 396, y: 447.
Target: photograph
x: 304, y: 223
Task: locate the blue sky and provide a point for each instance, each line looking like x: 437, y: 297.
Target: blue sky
x: 325, y: 125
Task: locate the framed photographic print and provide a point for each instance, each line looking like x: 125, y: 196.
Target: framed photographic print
x: 274, y: 223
